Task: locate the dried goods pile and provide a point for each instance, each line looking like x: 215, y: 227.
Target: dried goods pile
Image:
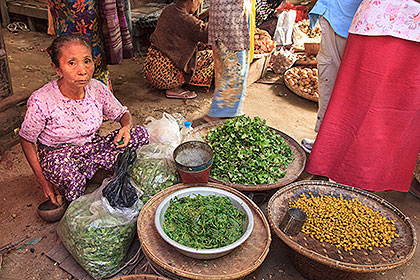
x: 263, y: 42
x: 203, y: 222
x: 303, y: 79
x: 314, y: 35
x: 345, y: 223
x: 247, y: 151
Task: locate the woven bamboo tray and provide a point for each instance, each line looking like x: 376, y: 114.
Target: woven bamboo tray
x: 316, y: 260
x: 141, y: 277
x: 168, y: 261
x: 296, y: 91
x: 294, y: 169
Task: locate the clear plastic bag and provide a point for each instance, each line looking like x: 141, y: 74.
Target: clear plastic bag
x: 166, y: 129
x: 282, y: 60
x: 154, y: 169
x: 98, y: 235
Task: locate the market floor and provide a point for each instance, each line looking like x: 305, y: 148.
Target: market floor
x: 20, y: 194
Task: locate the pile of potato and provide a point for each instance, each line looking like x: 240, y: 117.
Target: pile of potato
x: 263, y: 42
x: 303, y: 79
x: 303, y: 59
x: 313, y: 34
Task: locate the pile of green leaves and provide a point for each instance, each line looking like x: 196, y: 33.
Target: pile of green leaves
x: 247, y: 151
x: 203, y: 222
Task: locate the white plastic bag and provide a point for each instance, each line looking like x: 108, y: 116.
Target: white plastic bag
x: 164, y: 130
x: 284, y: 29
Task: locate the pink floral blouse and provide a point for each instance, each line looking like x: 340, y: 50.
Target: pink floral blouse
x: 53, y: 119
x: 397, y: 18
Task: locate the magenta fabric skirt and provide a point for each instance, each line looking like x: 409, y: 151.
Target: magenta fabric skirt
x: 370, y: 135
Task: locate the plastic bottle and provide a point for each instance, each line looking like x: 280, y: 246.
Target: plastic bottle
x: 186, y: 131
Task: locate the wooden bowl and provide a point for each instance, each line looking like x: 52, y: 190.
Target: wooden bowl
x: 51, y: 213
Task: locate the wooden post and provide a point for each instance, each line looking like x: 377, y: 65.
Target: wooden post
x: 4, y: 13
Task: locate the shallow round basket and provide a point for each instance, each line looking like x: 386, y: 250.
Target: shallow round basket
x: 316, y: 260
x: 294, y: 169
x: 296, y: 91
x: 204, y: 254
x: 140, y: 277
x: 171, y: 263
x: 312, y: 48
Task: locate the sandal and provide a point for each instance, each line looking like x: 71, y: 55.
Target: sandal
x: 183, y: 95
x: 12, y: 27
x: 22, y: 26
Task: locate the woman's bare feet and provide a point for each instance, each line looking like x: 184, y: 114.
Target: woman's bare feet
x: 180, y: 93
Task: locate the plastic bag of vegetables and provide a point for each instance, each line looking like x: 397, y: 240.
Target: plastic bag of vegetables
x: 98, y: 234
x: 154, y: 169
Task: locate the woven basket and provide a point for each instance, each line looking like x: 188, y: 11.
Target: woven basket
x: 171, y: 263
x: 141, y: 277
x: 316, y: 260
x: 312, y: 48
x: 294, y: 169
x: 296, y: 91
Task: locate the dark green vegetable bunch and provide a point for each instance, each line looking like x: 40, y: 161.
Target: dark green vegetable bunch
x: 203, y: 222
x: 247, y: 152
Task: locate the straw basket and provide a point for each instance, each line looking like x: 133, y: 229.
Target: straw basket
x: 141, y: 277
x: 169, y: 262
x: 294, y: 169
x: 297, y: 91
x: 316, y: 260
x: 312, y: 48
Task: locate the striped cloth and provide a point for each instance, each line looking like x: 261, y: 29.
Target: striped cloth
x: 117, y: 39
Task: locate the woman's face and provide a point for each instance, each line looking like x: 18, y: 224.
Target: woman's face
x: 76, y: 64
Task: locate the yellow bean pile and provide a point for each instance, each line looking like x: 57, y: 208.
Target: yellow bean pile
x: 345, y: 223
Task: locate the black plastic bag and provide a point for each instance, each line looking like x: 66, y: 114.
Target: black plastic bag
x: 120, y: 191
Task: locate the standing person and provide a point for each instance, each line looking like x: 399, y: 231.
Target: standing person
x: 59, y: 133
x: 370, y: 135
x: 231, y: 28
x: 335, y: 17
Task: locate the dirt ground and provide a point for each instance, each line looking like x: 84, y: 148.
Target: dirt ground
x: 20, y: 193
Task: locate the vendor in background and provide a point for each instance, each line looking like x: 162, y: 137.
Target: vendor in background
x: 103, y: 23
x: 266, y: 14
x: 175, y: 57
x: 335, y: 17
x: 370, y: 135
x: 231, y: 29
x: 58, y: 134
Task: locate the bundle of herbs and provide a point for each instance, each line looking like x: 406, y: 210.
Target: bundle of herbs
x: 203, y: 222
x: 247, y: 151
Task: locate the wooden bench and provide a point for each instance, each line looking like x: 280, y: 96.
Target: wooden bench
x: 29, y: 8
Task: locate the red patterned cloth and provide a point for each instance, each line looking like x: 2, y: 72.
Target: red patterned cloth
x: 370, y: 135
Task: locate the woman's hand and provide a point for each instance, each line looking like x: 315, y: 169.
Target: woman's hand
x: 124, y: 135
x: 49, y: 190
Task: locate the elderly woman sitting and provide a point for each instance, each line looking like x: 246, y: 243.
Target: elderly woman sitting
x: 174, y: 58
x: 63, y: 117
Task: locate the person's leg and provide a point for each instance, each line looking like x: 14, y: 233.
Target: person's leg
x: 61, y: 168
x: 329, y: 59
x: 231, y: 70
x: 162, y: 74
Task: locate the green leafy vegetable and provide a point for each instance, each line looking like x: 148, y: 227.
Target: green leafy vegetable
x: 203, y: 222
x: 247, y: 151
